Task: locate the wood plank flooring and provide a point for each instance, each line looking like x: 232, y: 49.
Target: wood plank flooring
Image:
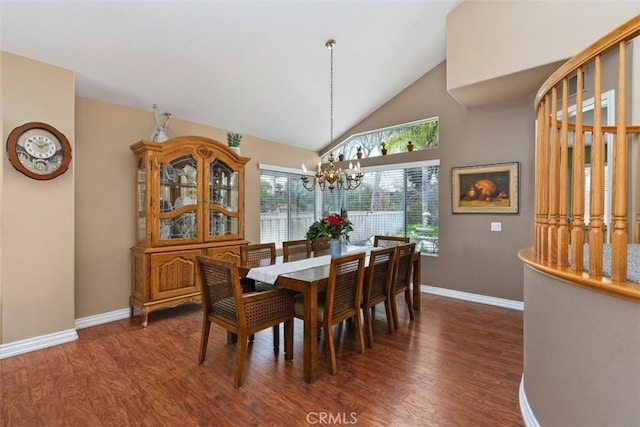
x: 457, y: 364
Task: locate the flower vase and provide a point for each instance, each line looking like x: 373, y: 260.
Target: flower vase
x: 335, y: 247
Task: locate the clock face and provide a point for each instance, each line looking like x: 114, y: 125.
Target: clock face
x: 39, y: 150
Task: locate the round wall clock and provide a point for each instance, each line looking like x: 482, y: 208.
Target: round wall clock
x: 39, y: 150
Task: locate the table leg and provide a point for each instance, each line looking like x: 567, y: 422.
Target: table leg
x: 311, y: 333
x: 416, y: 284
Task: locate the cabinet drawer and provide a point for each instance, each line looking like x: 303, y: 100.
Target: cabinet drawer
x: 230, y: 253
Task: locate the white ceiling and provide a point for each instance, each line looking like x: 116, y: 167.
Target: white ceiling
x: 254, y: 67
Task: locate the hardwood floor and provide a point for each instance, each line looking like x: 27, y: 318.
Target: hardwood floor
x: 458, y: 364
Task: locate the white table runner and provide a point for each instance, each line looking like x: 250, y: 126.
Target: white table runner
x: 269, y: 273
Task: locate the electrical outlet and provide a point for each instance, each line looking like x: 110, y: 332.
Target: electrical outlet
x: 496, y: 226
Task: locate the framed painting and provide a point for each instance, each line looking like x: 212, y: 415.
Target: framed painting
x: 485, y: 188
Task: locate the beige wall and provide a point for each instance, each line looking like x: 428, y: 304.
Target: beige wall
x: 512, y: 46
x: 472, y: 258
x: 105, y: 206
x: 37, y: 226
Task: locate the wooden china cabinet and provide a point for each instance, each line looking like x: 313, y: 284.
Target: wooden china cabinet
x: 189, y: 202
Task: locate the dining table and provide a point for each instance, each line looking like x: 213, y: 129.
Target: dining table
x: 311, y: 276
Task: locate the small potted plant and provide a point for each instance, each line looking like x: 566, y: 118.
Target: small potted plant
x: 383, y: 148
x: 233, y: 140
x: 359, y: 151
x: 410, y: 146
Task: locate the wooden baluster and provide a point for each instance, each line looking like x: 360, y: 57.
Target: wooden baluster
x: 554, y: 179
x: 577, y: 195
x: 538, y: 184
x: 619, y: 236
x: 563, y: 180
x: 543, y: 161
x: 596, y: 236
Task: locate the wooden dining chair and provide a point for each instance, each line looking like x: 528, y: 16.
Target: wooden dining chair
x: 377, y: 288
x: 321, y: 246
x: 260, y: 255
x: 402, y: 279
x: 293, y: 250
x: 341, y: 301
x: 242, y: 314
x: 388, y: 241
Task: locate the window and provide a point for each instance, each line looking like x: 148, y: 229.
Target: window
x: 399, y: 200
x: 423, y: 134
x: 286, y: 208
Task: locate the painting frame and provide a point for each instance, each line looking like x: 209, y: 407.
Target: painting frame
x: 485, y: 189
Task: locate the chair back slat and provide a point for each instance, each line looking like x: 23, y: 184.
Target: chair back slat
x: 404, y: 262
x: 380, y: 275
x: 344, y: 290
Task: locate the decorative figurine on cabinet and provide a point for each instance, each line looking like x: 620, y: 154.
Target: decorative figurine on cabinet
x: 159, y: 133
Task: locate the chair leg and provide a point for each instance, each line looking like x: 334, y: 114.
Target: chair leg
x: 359, y: 338
x: 276, y: 339
x: 288, y: 340
x: 394, y: 312
x: 204, y: 339
x: 388, y: 310
x: 241, y: 350
x: 331, y: 349
x: 367, y: 326
x: 407, y: 298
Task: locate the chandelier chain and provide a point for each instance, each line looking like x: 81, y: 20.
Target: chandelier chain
x: 331, y: 95
x: 330, y: 177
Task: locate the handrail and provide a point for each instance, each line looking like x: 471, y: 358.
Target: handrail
x: 563, y: 223
x: 627, y: 31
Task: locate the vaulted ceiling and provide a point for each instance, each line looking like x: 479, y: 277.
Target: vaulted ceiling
x: 254, y: 67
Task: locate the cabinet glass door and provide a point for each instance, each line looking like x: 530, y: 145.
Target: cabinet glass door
x: 222, y: 200
x: 178, y: 180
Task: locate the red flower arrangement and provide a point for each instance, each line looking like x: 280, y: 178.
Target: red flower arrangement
x: 336, y: 226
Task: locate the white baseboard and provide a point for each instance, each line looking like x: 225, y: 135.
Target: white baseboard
x: 37, y: 343
x: 527, y: 414
x: 467, y: 296
x: 99, y: 319
x: 44, y: 341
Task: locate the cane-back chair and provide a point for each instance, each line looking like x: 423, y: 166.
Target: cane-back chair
x: 260, y: 255
x: 321, y: 246
x: 341, y: 301
x: 243, y: 314
x: 389, y: 241
x: 294, y: 250
x: 402, y: 281
x: 377, y: 287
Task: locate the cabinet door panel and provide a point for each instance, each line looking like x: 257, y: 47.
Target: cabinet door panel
x: 174, y: 274
x: 222, y: 206
x: 178, y: 199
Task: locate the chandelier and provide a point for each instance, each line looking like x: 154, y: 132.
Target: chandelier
x: 330, y: 177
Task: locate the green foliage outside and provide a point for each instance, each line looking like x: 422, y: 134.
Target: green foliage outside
x: 424, y: 135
